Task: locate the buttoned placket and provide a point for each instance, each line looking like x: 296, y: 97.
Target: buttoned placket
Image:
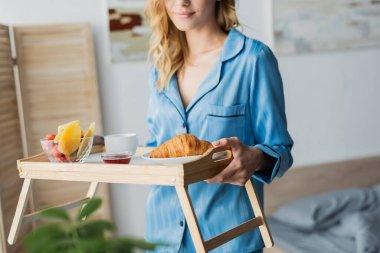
x: 207, y: 85
x: 184, y: 124
x: 181, y: 227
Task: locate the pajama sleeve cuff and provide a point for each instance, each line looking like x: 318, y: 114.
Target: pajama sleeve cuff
x: 268, y: 176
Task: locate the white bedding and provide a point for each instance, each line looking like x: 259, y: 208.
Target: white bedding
x: 338, y: 222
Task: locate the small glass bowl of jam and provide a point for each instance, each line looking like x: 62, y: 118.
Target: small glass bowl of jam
x: 122, y: 158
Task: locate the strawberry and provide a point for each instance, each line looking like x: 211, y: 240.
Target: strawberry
x: 56, y: 154
x: 61, y: 159
x: 50, y: 137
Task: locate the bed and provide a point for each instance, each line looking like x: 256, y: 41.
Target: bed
x: 305, y: 182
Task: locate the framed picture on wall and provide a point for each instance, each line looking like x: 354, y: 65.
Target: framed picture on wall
x: 311, y: 26
x: 129, y: 32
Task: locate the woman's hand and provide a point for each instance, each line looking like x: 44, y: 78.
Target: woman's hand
x: 246, y: 161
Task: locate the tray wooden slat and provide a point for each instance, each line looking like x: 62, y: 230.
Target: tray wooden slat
x: 38, y: 167
x: 104, y: 173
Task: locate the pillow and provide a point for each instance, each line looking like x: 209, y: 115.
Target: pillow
x: 376, y: 189
x: 364, y: 227
x: 321, y: 211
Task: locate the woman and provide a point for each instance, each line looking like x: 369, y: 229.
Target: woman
x: 210, y: 80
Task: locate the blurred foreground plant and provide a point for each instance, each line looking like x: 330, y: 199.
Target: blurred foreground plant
x: 66, y: 235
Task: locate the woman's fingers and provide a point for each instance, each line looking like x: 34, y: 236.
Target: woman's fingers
x: 233, y: 177
x: 232, y: 141
x: 237, y: 172
x: 219, y: 143
x: 232, y: 174
x: 224, y: 175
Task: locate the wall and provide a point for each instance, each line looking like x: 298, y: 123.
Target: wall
x: 332, y: 103
x: 331, y: 97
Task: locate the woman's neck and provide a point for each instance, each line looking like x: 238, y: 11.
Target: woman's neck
x: 205, y: 40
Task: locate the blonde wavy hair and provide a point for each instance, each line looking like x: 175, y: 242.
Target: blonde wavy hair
x: 168, y: 47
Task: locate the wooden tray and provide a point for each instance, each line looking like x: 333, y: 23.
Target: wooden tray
x: 140, y: 171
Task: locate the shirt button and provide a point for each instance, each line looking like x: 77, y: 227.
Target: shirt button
x: 184, y: 125
x: 181, y: 223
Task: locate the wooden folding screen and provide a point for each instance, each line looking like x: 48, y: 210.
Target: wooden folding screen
x: 56, y: 78
x: 11, y: 144
x: 58, y: 83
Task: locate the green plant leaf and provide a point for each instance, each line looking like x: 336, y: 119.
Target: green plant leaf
x: 91, y: 206
x: 131, y: 243
x: 55, y: 213
x: 58, y: 247
x: 117, y: 246
x: 94, y: 228
x: 43, y: 237
x: 82, y: 236
x: 93, y: 245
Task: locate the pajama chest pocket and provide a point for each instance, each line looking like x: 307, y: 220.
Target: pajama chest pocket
x: 225, y: 121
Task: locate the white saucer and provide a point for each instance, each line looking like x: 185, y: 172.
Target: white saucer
x: 174, y: 160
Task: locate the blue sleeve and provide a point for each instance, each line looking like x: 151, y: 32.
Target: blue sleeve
x: 152, y: 142
x: 268, y: 115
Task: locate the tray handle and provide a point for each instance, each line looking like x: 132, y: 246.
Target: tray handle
x: 218, y: 154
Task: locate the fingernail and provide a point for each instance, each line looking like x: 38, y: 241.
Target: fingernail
x: 216, y: 143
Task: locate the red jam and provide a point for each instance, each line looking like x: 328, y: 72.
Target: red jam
x: 117, y: 158
x: 121, y: 160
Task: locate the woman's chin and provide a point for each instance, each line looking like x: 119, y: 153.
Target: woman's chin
x: 183, y: 27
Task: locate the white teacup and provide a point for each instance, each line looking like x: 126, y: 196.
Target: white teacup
x: 121, y: 143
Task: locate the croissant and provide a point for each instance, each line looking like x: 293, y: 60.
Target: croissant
x: 181, y: 145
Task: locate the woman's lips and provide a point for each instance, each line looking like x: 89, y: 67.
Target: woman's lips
x: 184, y: 14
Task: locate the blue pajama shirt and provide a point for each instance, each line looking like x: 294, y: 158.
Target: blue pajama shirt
x: 242, y: 96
